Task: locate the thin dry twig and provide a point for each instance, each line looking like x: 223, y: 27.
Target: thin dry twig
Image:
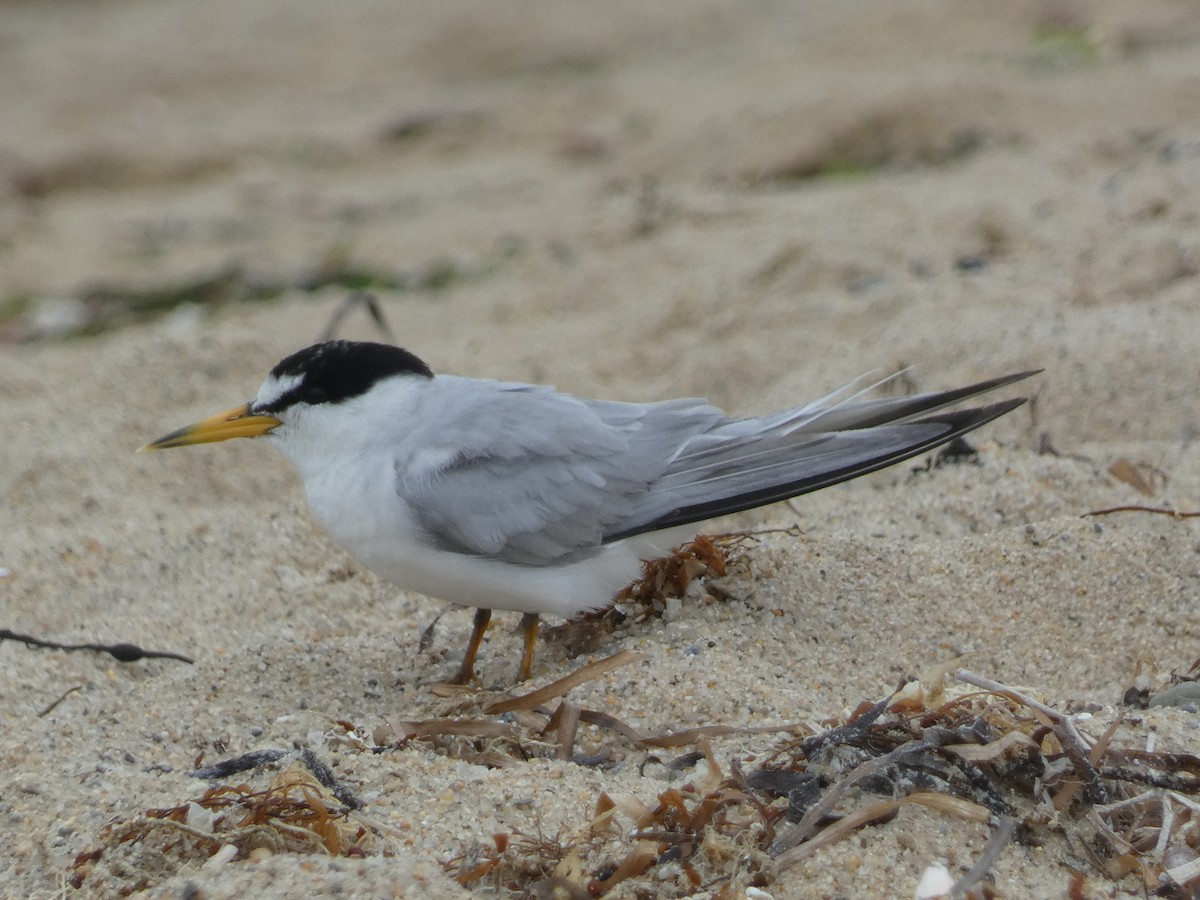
x: 996, y: 687
x: 1137, y: 507
x: 557, y: 688
x: 45, y: 711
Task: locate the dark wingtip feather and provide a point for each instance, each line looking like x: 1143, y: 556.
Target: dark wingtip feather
x: 898, y: 409
x: 958, y: 423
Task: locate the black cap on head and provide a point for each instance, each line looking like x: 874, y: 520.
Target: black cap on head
x: 333, y: 371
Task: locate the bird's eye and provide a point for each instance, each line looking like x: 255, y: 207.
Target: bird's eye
x: 314, y: 395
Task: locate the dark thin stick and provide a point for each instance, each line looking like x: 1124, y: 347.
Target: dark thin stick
x: 120, y: 652
x: 1001, y: 835
x: 849, y: 732
x: 358, y: 298
x: 324, y: 774
x: 676, y: 739
x: 63, y: 696
x: 1077, y: 751
x: 1171, y: 781
x: 252, y: 760
x: 426, y: 640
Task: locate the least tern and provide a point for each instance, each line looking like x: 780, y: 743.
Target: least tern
x: 496, y: 495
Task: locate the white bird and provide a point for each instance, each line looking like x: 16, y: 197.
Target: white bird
x: 513, y: 496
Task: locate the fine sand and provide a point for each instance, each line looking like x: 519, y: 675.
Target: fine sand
x: 752, y: 202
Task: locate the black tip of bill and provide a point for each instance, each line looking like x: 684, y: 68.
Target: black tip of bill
x: 233, y: 423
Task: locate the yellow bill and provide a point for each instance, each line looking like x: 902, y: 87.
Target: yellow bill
x: 233, y: 423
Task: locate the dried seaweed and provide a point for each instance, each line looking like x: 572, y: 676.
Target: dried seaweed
x: 705, y: 558
x: 980, y: 751
x: 244, y: 763
x: 526, y: 721
x: 705, y: 834
x: 514, y: 862
x: 1004, y: 758
x: 123, y: 652
x: 295, y: 814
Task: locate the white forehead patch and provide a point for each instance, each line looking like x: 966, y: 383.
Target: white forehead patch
x: 275, y: 387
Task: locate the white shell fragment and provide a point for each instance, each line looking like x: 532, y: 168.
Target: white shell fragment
x: 227, y: 854
x: 199, y: 818
x: 935, y: 883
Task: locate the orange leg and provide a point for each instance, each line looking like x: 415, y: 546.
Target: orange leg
x: 466, y: 672
x: 529, y: 629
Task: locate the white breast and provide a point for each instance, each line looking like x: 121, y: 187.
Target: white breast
x: 349, y: 466
x: 362, y: 512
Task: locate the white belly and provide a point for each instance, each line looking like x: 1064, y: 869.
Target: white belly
x: 368, y: 519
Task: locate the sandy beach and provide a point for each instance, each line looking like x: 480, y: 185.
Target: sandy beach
x: 750, y: 202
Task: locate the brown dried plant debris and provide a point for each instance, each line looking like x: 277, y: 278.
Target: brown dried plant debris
x: 512, y: 862
x: 527, y: 727
x: 1137, y: 507
x: 994, y: 756
x: 1000, y: 757
x: 693, y: 838
x: 295, y: 814
x: 706, y: 558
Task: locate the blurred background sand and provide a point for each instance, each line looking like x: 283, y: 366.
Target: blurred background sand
x: 750, y: 201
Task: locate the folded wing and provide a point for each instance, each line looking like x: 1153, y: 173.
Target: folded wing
x: 534, y: 477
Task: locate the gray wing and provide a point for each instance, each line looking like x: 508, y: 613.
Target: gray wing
x: 530, y: 476
x: 744, y: 463
x: 527, y: 475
